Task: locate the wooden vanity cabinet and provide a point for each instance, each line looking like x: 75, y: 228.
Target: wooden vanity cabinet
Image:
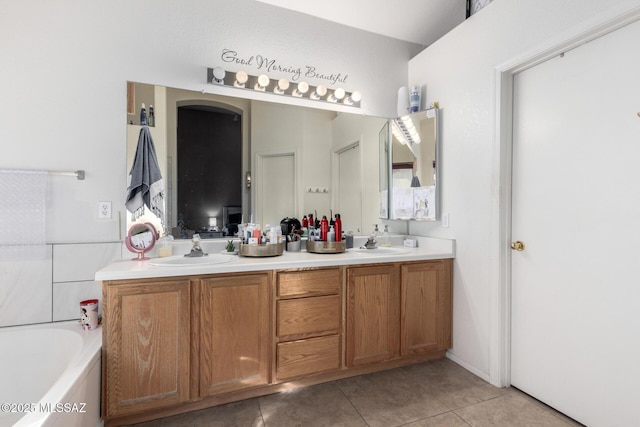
x: 145, y: 349
x: 234, y: 331
x: 184, y: 343
x: 425, y: 298
x: 308, y: 322
x: 373, y: 314
x: 398, y: 310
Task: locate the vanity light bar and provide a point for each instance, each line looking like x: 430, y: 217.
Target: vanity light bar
x: 407, y: 129
x: 263, y: 83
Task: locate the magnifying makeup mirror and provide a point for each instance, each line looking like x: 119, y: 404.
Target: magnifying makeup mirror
x: 140, y: 239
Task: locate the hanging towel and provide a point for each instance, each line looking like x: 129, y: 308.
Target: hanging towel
x: 23, y: 197
x: 145, y: 186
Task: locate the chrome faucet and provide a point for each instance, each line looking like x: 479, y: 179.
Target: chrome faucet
x: 196, y: 250
x: 371, y: 242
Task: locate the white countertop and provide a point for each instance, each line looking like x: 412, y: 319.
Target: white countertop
x: 429, y: 248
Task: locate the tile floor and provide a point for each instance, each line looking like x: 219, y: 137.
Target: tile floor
x: 431, y: 394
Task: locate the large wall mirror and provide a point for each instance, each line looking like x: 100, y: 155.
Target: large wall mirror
x: 292, y: 161
x: 413, y: 166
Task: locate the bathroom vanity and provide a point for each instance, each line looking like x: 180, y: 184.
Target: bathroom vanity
x: 186, y: 337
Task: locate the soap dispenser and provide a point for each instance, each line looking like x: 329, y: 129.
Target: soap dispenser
x: 386, y: 239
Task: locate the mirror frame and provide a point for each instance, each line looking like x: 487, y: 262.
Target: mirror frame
x: 435, y: 111
x: 384, y: 160
x: 163, y: 98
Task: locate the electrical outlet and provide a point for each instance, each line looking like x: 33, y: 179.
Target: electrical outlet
x: 104, y: 210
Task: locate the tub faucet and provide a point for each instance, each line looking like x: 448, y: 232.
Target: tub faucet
x: 196, y: 250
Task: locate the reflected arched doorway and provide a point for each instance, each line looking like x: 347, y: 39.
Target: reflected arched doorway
x: 209, y: 165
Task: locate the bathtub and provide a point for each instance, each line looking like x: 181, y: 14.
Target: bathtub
x: 50, y: 375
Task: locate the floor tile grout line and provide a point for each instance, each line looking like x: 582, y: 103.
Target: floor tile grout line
x: 464, y: 420
x: 449, y: 410
x: 352, y: 405
x: 264, y: 423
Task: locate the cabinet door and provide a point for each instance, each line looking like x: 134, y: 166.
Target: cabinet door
x: 425, y: 307
x: 373, y: 314
x: 234, y: 333
x: 145, y: 346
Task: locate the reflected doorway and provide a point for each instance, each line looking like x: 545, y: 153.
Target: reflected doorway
x: 349, y: 195
x: 209, y: 165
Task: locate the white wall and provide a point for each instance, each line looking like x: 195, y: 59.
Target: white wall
x: 65, y: 65
x: 459, y: 71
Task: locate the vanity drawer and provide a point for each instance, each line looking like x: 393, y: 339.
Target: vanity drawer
x: 305, y: 317
x: 309, y: 282
x: 297, y: 358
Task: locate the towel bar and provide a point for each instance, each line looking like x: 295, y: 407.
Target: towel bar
x: 78, y: 174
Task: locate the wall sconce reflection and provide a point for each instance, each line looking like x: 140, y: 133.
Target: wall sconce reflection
x: 405, y: 131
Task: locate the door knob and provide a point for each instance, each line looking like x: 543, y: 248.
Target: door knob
x: 517, y: 245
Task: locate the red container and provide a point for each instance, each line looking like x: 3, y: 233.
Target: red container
x: 324, y: 228
x: 338, y: 228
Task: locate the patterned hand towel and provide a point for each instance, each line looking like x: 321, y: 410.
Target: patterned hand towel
x: 23, y: 195
x: 145, y: 186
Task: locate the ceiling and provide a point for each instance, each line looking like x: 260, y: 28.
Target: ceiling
x: 416, y: 21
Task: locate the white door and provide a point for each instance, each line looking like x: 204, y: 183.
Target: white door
x: 575, y: 332
x: 275, y: 188
x: 350, y: 189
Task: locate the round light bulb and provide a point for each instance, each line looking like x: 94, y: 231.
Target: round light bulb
x: 263, y: 82
x: 218, y: 75
x: 241, y: 78
x: 283, y: 85
x: 320, y: 91
x: 303, y: 87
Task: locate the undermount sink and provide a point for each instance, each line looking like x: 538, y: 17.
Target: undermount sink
x: 381, y: 251
x: 181, y: 260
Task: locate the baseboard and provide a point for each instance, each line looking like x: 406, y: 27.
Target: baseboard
x: 468, y: 367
